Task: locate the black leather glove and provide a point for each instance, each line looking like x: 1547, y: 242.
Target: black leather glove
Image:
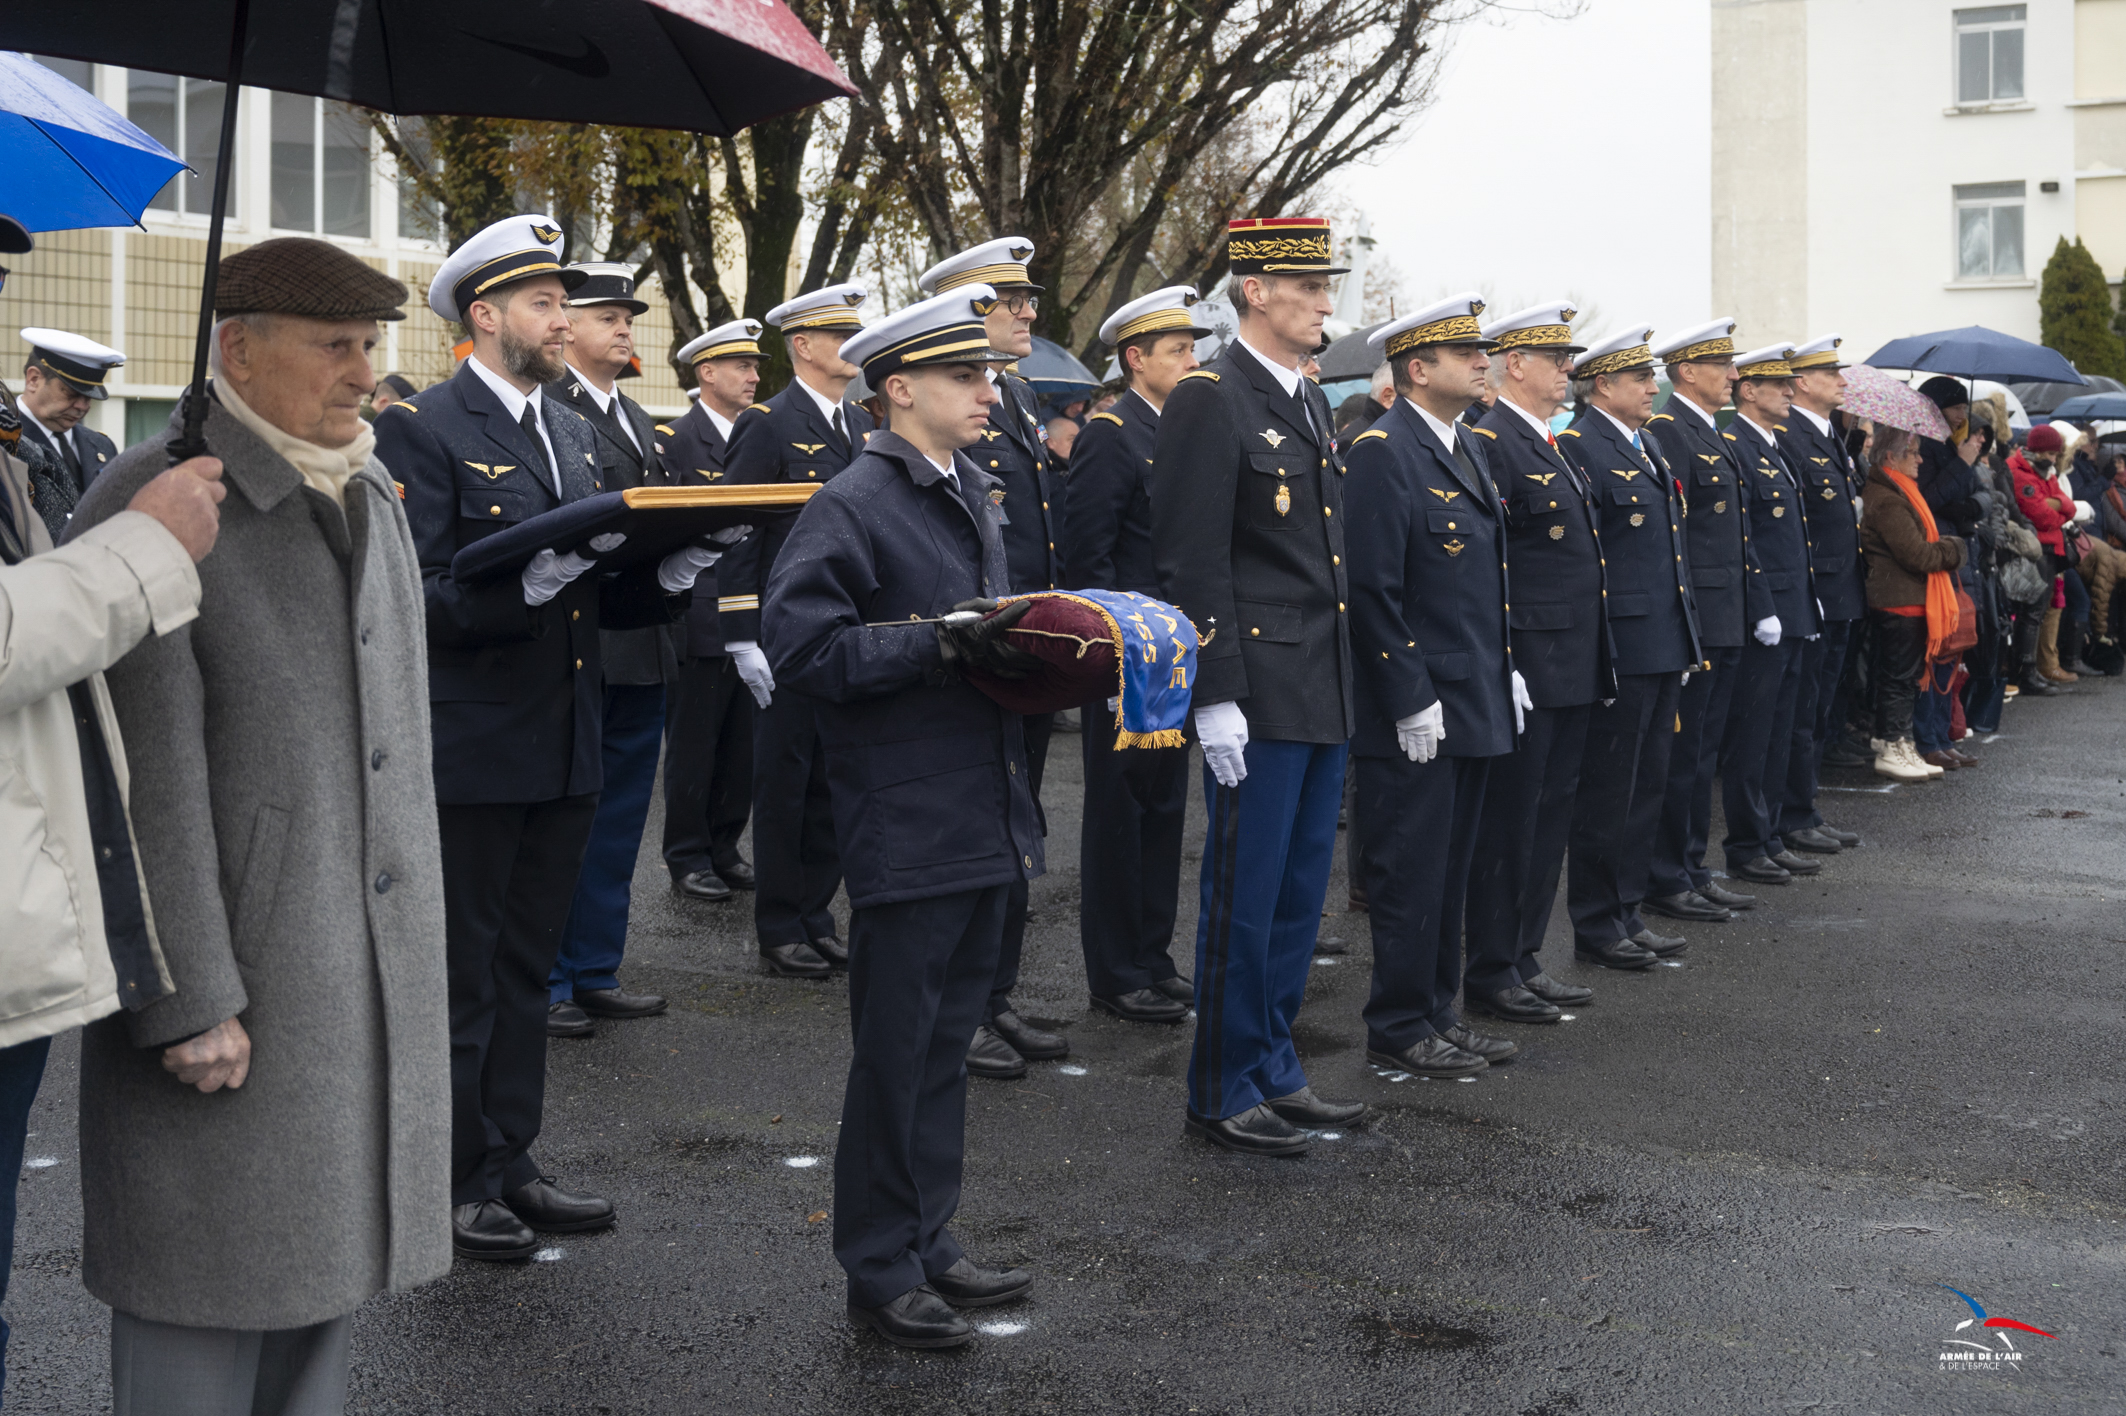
x: 980, y: 644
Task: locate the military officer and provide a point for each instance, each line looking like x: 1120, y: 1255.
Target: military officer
x: 806, y: 433
x: 708, y: 739
x: 63, y: 375
x: 932, y: 798
x: 1830, y: 494
x: 515, y: 688
x: 1731, y: 596
x: 638, y: 664
x: 1624, y: 773
x: 1760, y: 728
x: 1248, y: 538
x: 1136, y: 799
x: 1438, y: 699
x: 1562, y: 650
x: 1015, y: 451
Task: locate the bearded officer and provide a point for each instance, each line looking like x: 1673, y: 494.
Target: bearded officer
x: 708, y: 738
x: 931, y: 799
x: 1761, y: 720
x: 1438, y: 699
x: 62, y: 377
x: 1248, y: 538
x: 1624, y: 771
x: 1830, y: 492
x: 1732, y: 599
x: 1136, y: 799
x: 514, y: 686
x: 639, y: 663
x: 1561, y: 650
x: 1014, y: 450
x: 805, y: 434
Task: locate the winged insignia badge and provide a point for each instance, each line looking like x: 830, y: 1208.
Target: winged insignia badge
x: 809, y: 449
x: 1542, y: 477
x: 1273, y: 437
x: 1443, y: 496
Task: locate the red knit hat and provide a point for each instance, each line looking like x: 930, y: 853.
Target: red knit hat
x: 2045, y: 438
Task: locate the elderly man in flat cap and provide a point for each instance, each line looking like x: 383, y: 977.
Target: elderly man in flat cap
x: 269, y: 1146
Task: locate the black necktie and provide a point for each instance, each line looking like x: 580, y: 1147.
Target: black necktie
x: 841, y: 433
x: 1305, y: 414
x: 73, y: 462
x: 530, y: 423
x: 1463, y: 460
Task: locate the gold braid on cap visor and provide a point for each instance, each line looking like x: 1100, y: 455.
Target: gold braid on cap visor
x: 824, y: 317
x: 1622, y: 361
x: 1535, y: 336
x: 1703, y: 349
x: 1454, y: 327
x: 1155, y: 321
x: 1283, y: 249
x: 1007, y: 274
x: 1822, y: 359
x: 736, y: 348
x: 1769, y: 369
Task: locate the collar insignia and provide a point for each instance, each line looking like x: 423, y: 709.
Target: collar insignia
x: 1274, y: 438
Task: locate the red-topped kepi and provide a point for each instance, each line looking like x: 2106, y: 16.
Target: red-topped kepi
x: 1280, y: 245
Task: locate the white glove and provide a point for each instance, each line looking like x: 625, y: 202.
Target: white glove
x: 548, y: 574
x: 1767, y: 631
x: 2084, y: 513
x: 753, y: 670
x: 1223, y: 730
x: 1522, y: 702
x: 677, y: 571
x: 1686, y: 679
x: 1419, y: 734
x: 730, y: 535
x: 610, y: 541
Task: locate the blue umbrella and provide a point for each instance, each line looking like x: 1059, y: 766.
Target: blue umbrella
x: 1975, y: 352
x: 70, y: 161
x: 2091, y: 406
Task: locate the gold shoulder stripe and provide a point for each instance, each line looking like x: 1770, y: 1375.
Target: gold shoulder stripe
x: 1105, y: 418
x: 1486, y: 432
x: 1369, y: 433
x: 754, y: 408
x: 1199, y: 374
x: 1729, y: 436
x: 1570, y: 433
x: 406, y: 403
x: 1662, y: 418
x: 1778, y: 427
x: 665, y: 428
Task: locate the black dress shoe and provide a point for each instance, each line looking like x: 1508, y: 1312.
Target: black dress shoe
x: 1179, y: 989
x: 702, y: 885
x: 1686, y: 904
x: 1797, y: 865
x: 793, y: 961
x: 1513, y: 1005
x: 1731, y: 899
x: 1761, y: 871
x: 565, y: 1019
x: 1433, y: 1057
x: 1028, y: 1041
x: 918, y: 1318
x: 618, y: 1003
x: 1614, y: 954
x: 738, y: 875
x: 2034, y: 686
x: 1146, y: 1005
x: 988, y: 1055
x: 1846, y: 839
x: 1303, y: 1108
x: 1565, y: 995
x: 1492, y: 1049
x: 1256, y: 1131
x: 1811, y: 840
x: 550, y: 1209
x: 489, y: 1231
x: 968, y: 1285
x: 832, y: 950
x: 1659, y: 945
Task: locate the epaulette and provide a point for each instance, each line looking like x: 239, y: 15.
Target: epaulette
x: 400, y: 487
x: 1778, y: 427
x: 1662, y: 418
x: 1570, y: 433
x: 1369, y: 433
x: 755, y: 408
x: 1485, y: 431
x: 665, y: 428
x: 1729, y: 436
x: 406, y: 403
x: 1199, y: 374
x: 1105, y: 418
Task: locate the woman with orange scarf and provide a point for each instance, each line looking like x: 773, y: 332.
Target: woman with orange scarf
x: 1911, y: 593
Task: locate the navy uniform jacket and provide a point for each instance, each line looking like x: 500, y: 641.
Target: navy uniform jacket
x: 1725, y: 579
x: 632, y: 656
x: 1829, y: 483
x: 1014, y: 451
x: 1560, y: 626
x: 786, y: 439
x: 1248, y: 535
x: 693, y: 455
x: 514, y: 690
x: 928, y: 774
x: 94, y: 449
x: 1651, y: 618
x: 1108, y: 501
x: 1428, y: 588
x: 1780, y: 532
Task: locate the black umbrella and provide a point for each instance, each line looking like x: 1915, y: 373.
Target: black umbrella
x: 1351, y: 357
x: 705, y: 66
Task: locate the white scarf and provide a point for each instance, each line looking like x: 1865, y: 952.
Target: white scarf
x: 324, y: 468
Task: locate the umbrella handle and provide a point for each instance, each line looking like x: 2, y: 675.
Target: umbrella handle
x: 192, y: 440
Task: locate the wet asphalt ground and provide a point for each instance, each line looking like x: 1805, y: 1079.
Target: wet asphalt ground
x: 1738, y: 1185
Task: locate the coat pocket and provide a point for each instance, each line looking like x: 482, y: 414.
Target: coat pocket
x: 1626, y: 606
x: 1541, y: 616
x: 493, y: 506
x: 1264, y: 622
x: 1280, y: 493
x: 1717, y: 577
x: 260, y: 887
x: 930, y: 795
x: 1447, y: 668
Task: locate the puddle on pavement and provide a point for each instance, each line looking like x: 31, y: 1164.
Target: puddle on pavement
x: 1408, y: 1333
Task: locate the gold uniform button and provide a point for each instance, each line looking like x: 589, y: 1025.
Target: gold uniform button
x: 1339, y: 607
x: 494, y: 511
x: 579, y: 663
x: 992, y: 462
x: 1044, y: 506
x: 1029, y: 861
x: 1014, y: 769
x: 1384, y: 653
x: 1336, y: 560
x: 1450, y: 526
x: 575, y: 614
x: 1255, y: 632
x: 1325, y: 511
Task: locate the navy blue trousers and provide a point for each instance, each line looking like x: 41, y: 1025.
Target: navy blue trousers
x: 1760, y: 729
x: 1039, y: 727
x: 1419, y: 823
x: 1617, y: 814
x: 21, y: 1072
x: 797, y: 866
x: 1129, y: 857
x: 919, y: 975
x: 1520, y: 848
x: 596, y: 933
x: 1822, y: 666
x: 1687, y: 811
x: 1266, y: 858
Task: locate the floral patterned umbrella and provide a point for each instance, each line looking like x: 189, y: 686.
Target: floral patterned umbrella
x: 1891, y: 403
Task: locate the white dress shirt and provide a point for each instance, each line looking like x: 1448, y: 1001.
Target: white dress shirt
x: 721, y: 424
x: 514, y: 404
x: 1287, y: 379
x: 605, y: 405
x: 1542, y: 428
x: 65, y: 439
x: 1821, y: 425
x: 1680, y: 401
x: 1629, y: 435
x: 827, y: 406
x: 1763, y: 432
x: 1442, y: 431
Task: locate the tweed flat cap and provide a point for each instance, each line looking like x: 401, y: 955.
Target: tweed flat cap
x: 299, y: 275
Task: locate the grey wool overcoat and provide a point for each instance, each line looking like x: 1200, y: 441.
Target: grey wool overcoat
x: 287, y: 824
